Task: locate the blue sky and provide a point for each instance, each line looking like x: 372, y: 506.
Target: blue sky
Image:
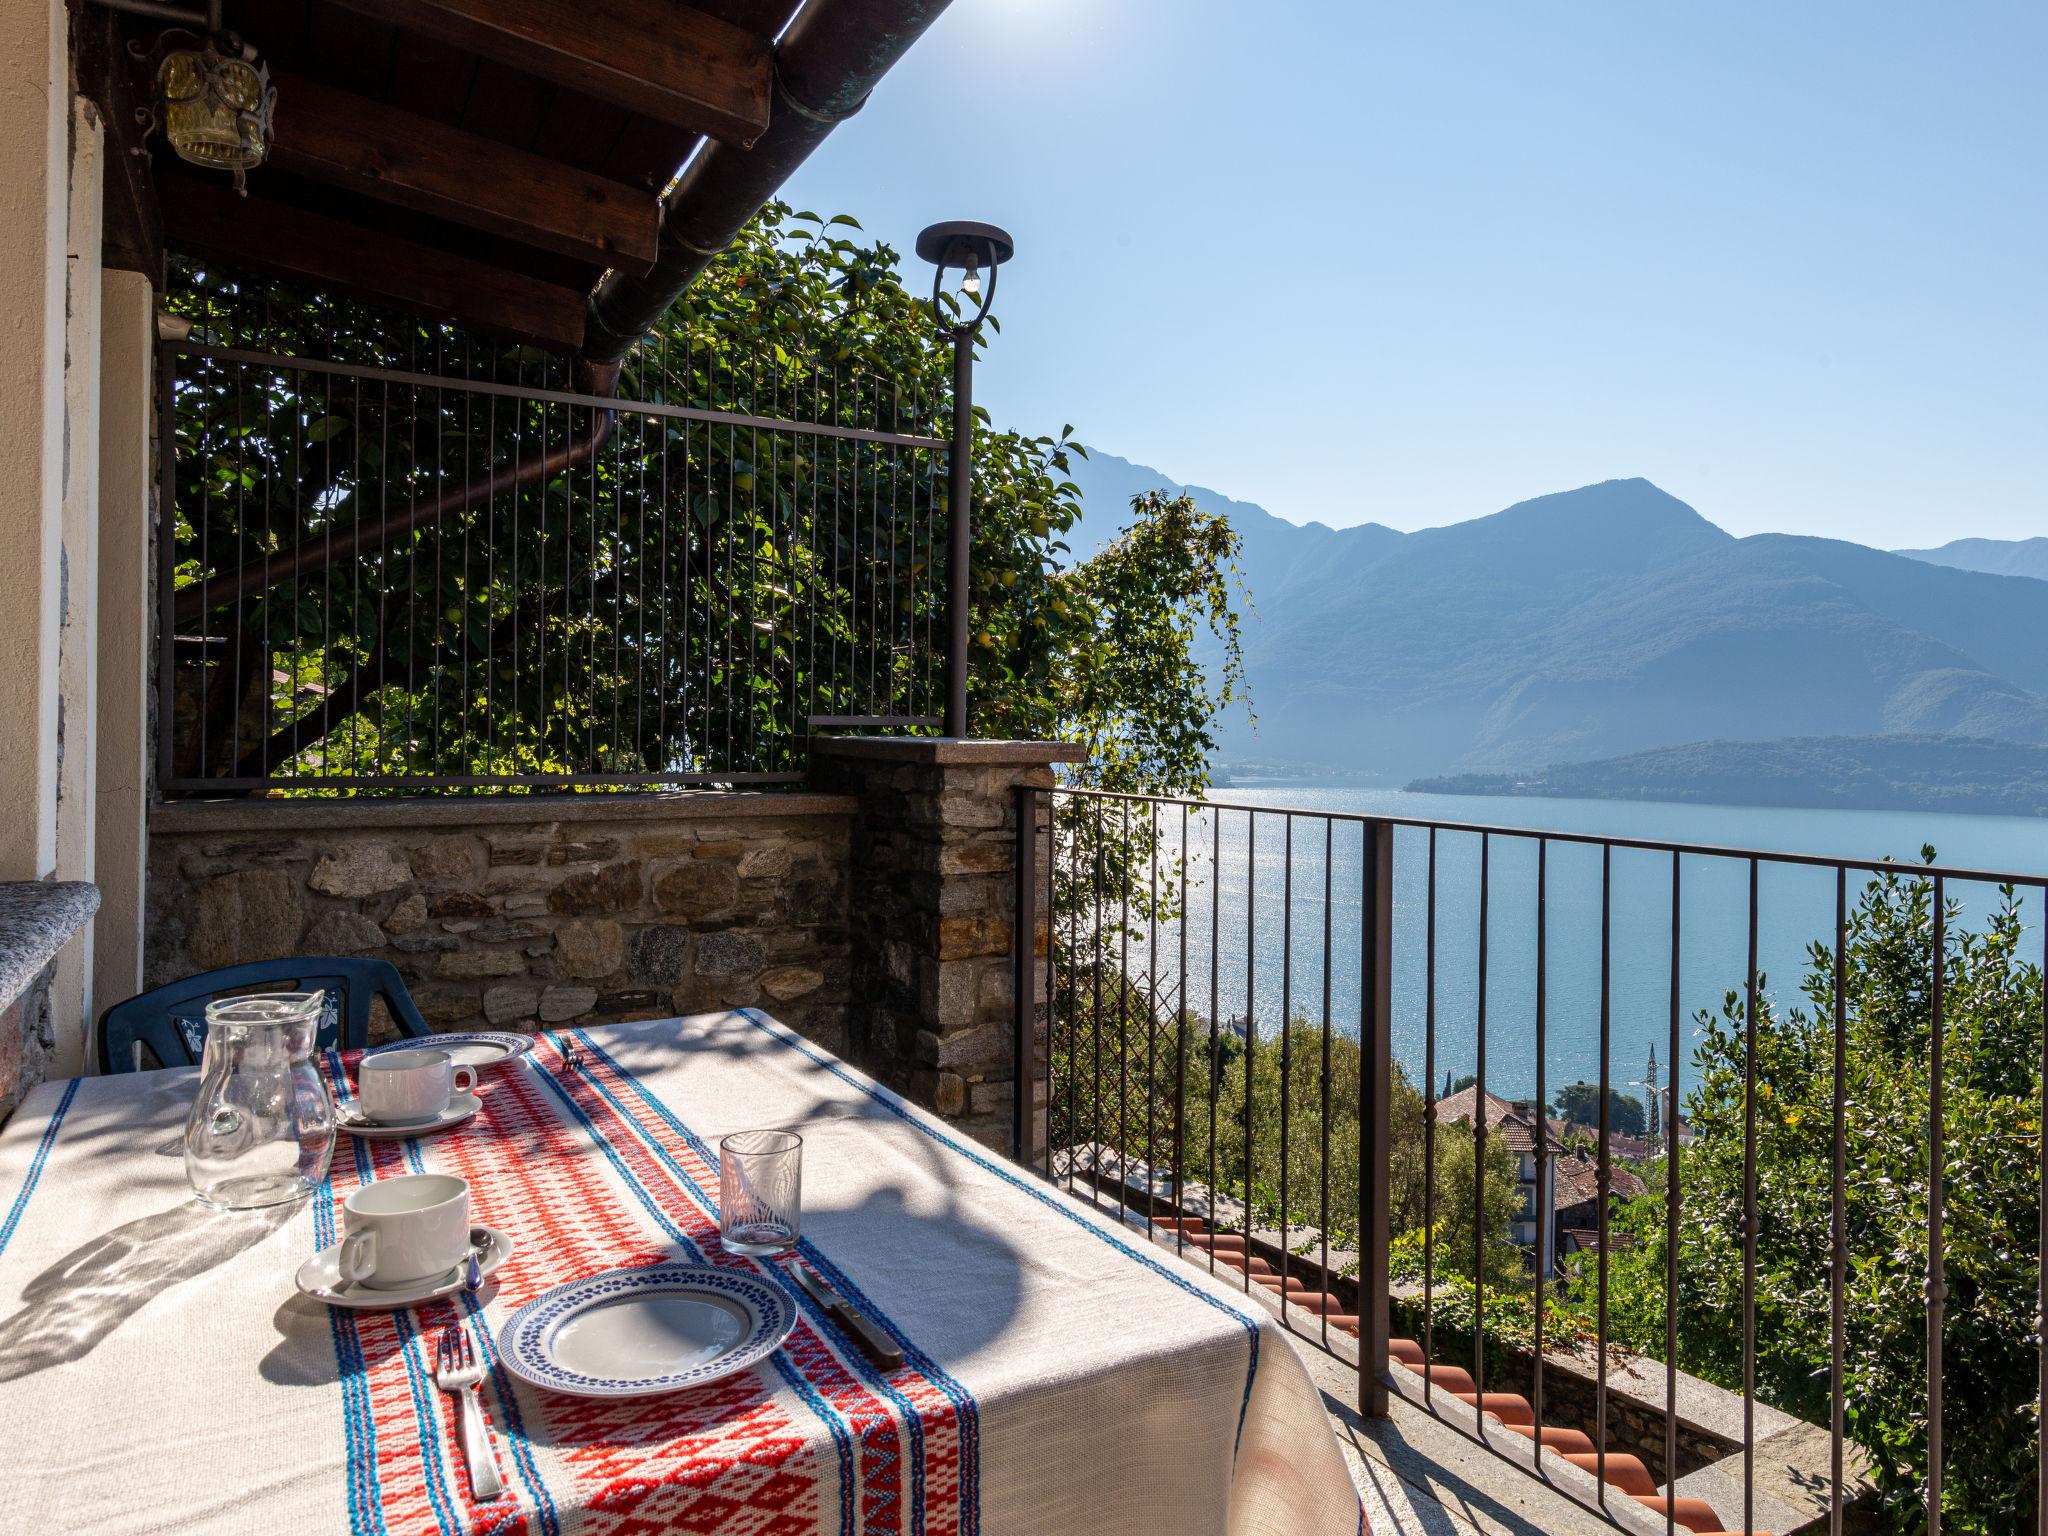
x: 1413, y: 262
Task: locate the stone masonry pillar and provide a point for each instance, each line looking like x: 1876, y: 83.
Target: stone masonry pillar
x: 933, y: 898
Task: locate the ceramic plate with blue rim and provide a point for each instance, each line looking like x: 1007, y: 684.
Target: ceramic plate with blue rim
x: 479, y: 1048
x: 637, y: 1332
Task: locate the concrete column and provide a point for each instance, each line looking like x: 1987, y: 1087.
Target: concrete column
x: 35, y: 105
x: 121, y: 735
x: 71, y: 991
x: 934, y: 906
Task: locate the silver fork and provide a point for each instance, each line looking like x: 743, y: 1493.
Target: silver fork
x: 457, y: 1372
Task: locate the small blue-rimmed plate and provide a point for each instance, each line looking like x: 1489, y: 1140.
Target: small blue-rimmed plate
x: 480, y: 1048
x: 637, y: 1332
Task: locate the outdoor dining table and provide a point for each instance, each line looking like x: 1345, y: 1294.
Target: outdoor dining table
x: 160, y: 1372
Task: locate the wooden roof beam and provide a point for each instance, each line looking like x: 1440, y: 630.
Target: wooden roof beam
x: 328, y: 135
x: 665, y: 60
x: 206, y: 219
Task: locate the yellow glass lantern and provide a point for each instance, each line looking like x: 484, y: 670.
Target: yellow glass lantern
x: 217, y: 104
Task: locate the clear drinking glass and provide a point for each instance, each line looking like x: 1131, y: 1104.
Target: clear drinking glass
x: 760, y: 1191
x: 261, y: 1131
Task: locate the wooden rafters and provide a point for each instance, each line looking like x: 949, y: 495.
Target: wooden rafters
x: 207, y: 219
x: 397, y: 157
x: 668, y: 61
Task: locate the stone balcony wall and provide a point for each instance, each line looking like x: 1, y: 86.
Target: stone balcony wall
x: 516, y: 912
x: 934, y: 858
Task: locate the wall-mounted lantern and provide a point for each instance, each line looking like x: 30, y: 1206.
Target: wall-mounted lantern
x: 214, y: 99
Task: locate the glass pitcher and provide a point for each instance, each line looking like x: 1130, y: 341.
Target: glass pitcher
x: 261, y: 1131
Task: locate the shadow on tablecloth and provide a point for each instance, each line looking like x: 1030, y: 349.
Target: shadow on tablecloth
x: 92, y: 1290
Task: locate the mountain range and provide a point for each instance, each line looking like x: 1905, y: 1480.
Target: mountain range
x: 2001, y: 557
x: 1599, y: 622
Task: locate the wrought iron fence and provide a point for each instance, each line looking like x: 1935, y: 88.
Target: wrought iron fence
x: 383, y: 578
x: 1247, y: 1013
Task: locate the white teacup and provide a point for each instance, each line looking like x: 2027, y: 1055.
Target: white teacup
x: 404, y: 1230
x: 400, y: 1087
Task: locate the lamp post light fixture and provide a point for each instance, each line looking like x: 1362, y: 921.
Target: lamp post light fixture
x: 976, y: 251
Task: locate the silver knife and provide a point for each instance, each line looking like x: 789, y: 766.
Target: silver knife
x: 873, y: 1342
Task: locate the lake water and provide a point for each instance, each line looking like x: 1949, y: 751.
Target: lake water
x: 1251, y: 912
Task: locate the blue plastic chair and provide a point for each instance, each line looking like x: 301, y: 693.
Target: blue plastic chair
x: 171, y: 1019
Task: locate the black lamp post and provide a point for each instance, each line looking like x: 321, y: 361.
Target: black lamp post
x: 975, y: 250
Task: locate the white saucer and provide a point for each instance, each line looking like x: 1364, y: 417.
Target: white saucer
x: 320, y: 1278
x: 461, y: 1107
x: 482, y: 1048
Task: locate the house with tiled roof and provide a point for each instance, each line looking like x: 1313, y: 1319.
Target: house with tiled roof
x: 1559, y: 1195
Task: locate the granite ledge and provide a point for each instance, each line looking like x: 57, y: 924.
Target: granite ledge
x: 38, y: 918
x: 394, y: 814
x: 948, y: 751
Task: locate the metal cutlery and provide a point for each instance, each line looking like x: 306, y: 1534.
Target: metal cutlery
x: 473, y: 1263
x: 458, y: 1372
x: 861, y: 1328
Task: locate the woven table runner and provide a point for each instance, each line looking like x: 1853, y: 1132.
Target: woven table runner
x: 586, y: 1170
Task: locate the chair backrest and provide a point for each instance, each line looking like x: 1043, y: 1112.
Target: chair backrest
x: 171, y: 1019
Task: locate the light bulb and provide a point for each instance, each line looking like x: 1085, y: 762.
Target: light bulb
x: 971, y: 283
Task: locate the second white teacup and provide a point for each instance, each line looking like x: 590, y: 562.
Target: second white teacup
x: 405, y: 1230
x: 400, y: 1087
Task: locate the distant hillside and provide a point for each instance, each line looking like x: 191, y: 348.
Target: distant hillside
x: 1598, y: 622
x: 2000, y: 557
x: 1873, y: 773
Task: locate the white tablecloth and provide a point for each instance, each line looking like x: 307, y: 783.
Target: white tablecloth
x: 158, y: 1372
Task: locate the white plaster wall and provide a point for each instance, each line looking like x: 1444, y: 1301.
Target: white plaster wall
x: 35, y: 99
x: 71, y: 988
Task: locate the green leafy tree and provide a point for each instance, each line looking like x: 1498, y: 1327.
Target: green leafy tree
x: 1579, y: 1103
x: 1992, y: 1021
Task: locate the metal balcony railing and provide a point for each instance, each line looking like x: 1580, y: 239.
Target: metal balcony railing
x: 1249, y: 1009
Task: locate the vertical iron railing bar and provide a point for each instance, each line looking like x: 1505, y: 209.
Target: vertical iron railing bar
x: 2041, y: 1253
x: 1749, y: 1224
x: 1671, y: 1199
x: 1251, y: 1022
x: 412, y: 549
x: 1286, y: 1046
x: 1151, y: 970
x: 1838, y: 1231
x: 1542, y: 1205
x: 661, y: 672
x: 490, y: 599
x: 385, y: 563
x: 1051, y: 965
x: 1937, y: 1269
x: 203, y: 454
x: 327, y: 523
x: 241, y: 541
x: 1479, y: 1119
x: 1073, y: 1128
x: 1323, y: 1210
x: 593, y: 560
x: 1215, y: 1040
x: 1429, y: 1103
x: 1123, y: 997
x: 355, y: 567
x: 641, y: 639
x: 1603, y: 1165
x: 1095, y: 1018
x: 263, y: 660
x: 512, y: 641
x: 725, y: 525
x: 1180, y: 1051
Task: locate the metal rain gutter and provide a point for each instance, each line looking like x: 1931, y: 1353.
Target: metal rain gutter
x: 828, y: 60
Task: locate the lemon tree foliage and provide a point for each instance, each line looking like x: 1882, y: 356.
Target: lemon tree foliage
x: 687, y: 598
